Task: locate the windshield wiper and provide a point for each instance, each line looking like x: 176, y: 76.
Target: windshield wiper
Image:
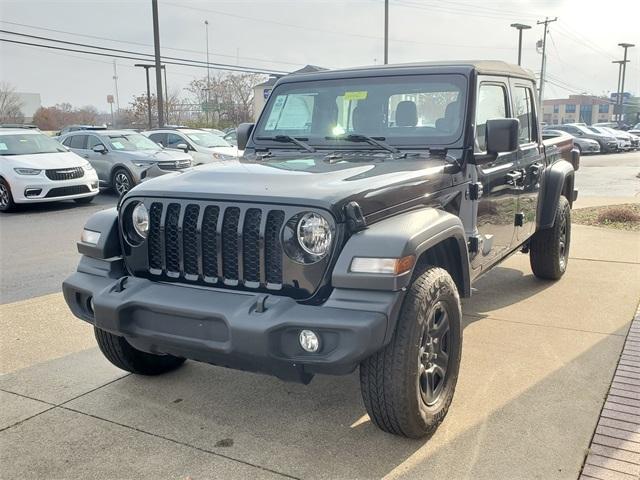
x: 358, y: 137
x: 289, y: 139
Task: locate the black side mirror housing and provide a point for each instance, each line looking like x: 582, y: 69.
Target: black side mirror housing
x: 502, y: 135
x: 243, y: 132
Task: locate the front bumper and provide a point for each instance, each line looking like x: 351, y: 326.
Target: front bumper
x: 39, y: 188
x: 248, y: 331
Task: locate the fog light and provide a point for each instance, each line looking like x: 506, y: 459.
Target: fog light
x: 309, y: 341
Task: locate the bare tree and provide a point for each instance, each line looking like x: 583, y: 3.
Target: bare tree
x: 10, y: 104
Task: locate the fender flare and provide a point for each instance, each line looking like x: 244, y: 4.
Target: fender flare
x: 553, y: 182
x: 106, y: 223
x: 410, y: 233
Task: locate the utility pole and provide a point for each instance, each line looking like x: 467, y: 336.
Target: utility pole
x: 115, y: 80
x: 543, y: 67
x: 520, y: 27
x: 146, y: 67
x: 624, y: 71
x: 156, y: 45
x: 206, y: 111
x: 166, y: 92
x: 386, y: 32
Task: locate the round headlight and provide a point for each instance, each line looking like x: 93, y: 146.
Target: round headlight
x: 314, y: 234
x: 140, y: 220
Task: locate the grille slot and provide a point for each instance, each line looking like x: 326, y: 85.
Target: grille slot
x: 216, y: 244
x: 65, y: 173
x: 65, y: 191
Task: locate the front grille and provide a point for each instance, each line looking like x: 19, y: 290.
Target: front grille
x: 176, y: 165
x: 216, y: 244
x: 65, y: 173
x: 66, y: 191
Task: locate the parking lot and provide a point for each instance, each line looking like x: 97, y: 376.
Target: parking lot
x: 537, y: 362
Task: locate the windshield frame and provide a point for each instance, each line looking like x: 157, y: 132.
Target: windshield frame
x: 416, y: 142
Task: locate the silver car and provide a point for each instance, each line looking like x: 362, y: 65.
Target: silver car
x: 123, y: 158
x: 203, y: 146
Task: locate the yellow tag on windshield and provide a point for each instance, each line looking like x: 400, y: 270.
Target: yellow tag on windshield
x: 355, y: 95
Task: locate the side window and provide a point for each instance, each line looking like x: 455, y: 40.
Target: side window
x: 492, y: 103
x: 78, y: 141
x: 92, y: 141
x: 159, y: 138
x: 67, y: 142
x: 174, y: 140
x: 523, y: 111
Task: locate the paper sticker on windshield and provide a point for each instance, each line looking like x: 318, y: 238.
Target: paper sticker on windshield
x: 3, y: 146
x: 355, y: 95
x: 117, y: 145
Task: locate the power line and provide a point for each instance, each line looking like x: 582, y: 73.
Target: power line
x: 221, y: 66
x: 128, y: 57
x: 96, y: 37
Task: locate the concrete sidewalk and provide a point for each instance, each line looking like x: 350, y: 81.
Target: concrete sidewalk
x: 538, y: 359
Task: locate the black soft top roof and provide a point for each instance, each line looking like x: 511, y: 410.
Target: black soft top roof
x: 487, y: 67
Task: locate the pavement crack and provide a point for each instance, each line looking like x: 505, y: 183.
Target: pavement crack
x: 604, y: 261
x: 178, y: 442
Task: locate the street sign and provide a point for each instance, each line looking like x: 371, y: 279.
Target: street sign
x: 207, y: 106
x: 626, y: 96
x: 109, y: 98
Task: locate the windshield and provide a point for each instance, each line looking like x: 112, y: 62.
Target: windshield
x: 132, y: 142
x: 404, y: 110
x: 28, y: 144
x: 207, y: 139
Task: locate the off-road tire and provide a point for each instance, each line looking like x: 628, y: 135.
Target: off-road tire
x: 9, y: 205
x: 84, y: 200
x: 119, y: 352
x: 389, y: 379
x: 549, y: 248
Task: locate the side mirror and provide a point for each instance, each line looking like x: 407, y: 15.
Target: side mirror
x: 243, y: 133
x: 183, y: 146
x: 99, y: 149
x: 502, y: 135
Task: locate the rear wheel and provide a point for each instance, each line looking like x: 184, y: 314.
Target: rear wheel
x: 6, y: 198
x: 119, y: 352
x: 122, y: 181
x: 408, y: 386
x: 549, y: 248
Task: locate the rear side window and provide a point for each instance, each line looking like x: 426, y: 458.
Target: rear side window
x: 174, y: 140
x: 78, y: 141
x: 523, y: 111
x: 492, y: 103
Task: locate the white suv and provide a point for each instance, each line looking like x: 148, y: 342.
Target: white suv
x: 36, y: 168
x: 204, y: 147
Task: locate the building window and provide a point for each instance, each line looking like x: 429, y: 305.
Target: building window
x: 556, y: 108
x: 603, y: 108
x: 570, y: 108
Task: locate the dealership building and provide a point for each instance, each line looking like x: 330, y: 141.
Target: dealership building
x: 588, y: 109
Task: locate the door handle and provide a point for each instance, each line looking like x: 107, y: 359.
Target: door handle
x: 536, y: 168
x: 514, y: 176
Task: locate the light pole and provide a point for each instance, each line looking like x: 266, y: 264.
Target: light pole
x: 624, y: 71
x: 520, y: 27
x: 206, y: 26
x: 615, y: 107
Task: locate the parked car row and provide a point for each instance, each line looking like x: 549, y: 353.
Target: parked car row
x: 39, y: 168
x: 586, y: 137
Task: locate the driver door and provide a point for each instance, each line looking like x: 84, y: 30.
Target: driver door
x: 496, y: 207
x: 100, y: 161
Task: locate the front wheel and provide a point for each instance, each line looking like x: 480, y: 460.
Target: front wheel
x: 122, y: 181
x: 549, y: 248
x: 6, y: 199
x: 408, y: 386
x: 120, y: 353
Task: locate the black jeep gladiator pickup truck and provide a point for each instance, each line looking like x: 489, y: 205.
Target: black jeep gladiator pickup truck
x: 366, y: 203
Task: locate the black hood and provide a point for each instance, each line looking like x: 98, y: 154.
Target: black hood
x: 376, y: 182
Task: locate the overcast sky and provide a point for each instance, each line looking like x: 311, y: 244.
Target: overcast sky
x: 286, y: 35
